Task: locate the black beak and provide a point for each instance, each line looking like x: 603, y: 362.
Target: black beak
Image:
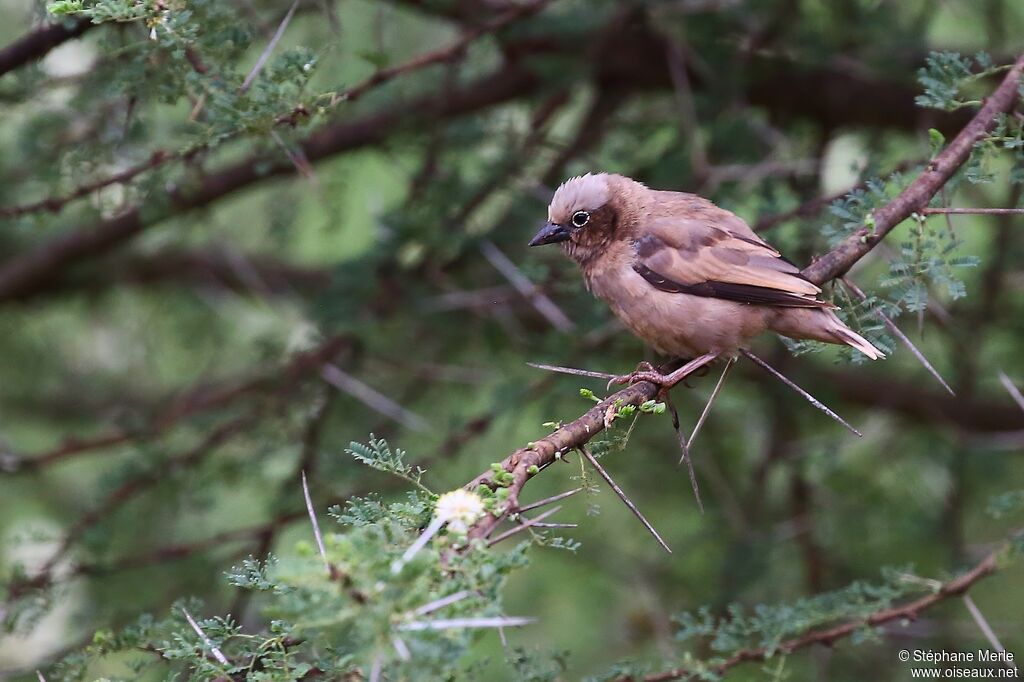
x: 551, y: 233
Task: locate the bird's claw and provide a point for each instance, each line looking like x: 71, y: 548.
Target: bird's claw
x: 645, y: 371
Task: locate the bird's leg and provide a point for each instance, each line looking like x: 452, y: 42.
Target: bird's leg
x: 665, y: 381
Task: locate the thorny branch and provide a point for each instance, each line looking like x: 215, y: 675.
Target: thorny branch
x: 834, y: 264
x: 909, y: 611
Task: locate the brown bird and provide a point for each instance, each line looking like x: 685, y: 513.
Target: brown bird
x: 689, y: 278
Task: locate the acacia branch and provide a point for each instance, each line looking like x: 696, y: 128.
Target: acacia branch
x: 915, y: 197
x: 25, y: 274
x: 580, y: 431
x: 909, y: 611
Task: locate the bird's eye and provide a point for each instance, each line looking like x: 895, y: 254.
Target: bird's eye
x: 580, y: 218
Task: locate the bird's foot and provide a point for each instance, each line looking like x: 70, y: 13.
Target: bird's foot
x: 646, y: 372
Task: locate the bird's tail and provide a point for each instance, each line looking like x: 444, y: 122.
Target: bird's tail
x: 820, y: 324
x: 852, y: 338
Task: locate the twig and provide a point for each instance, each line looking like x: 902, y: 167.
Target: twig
x: 56, y: 204
x: 550, y: 500
x: 270, y: 47
x: 814, y: 206
x: 544, y: 305
x: 684, y: 450
x: 372, y: 398
x: 1011, y: 389
x: 898, y: 333
x: 827, y: 637
x: 973, y: 211
x: 622, y: 495
x: 217, y: 653
x: 316, y: 525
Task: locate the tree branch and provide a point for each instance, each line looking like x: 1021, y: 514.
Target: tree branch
x: 915, y: 198
x: 25, y: 274
x: 36, y: 44
x: 580, y: 431
x: 829, y: 636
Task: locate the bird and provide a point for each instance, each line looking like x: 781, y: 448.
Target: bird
x: 689, y: 278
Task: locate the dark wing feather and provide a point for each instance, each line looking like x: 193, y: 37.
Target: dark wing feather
x: 715, y: 254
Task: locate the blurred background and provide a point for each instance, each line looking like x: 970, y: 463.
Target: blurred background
x: 215, y: 275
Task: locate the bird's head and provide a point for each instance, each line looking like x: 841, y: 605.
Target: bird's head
x: 586, y: 214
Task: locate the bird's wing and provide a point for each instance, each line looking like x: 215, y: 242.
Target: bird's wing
x: 716, y: 254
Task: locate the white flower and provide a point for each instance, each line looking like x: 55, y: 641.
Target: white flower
x: 457, y: 508
x: 460, y: 509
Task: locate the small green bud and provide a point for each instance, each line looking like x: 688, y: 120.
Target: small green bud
x: 587, y: 393
x: 532, y: 469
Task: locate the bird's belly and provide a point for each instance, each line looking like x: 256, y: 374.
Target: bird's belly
x: 680, y: 324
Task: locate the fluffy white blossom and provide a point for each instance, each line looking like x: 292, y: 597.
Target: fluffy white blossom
x: 460, y: 509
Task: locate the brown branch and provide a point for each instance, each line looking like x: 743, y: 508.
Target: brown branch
x: 24, y: 274
x: 915, y: 198
x: 39, y: 42
x: 580, y: 431
x: 827, y: 637
x: 814, y: 206
x: 160, y: 157
x: 57, y: 204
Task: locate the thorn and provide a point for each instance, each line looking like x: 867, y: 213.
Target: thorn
x: 523, y: 526
x: 217, y: 653
x: 270, y: 47
x: 441, y: 603
x: 707, y: 407
x: 573, y: 371
x: 898, y: 333
x: 400, y: 648
x: 449, y: 623
x: 1011, y: 389
x: 316, y: 525
x: 549, y: 500
x: 986, y: 629
x: 372, y: 398
x: 685, y: 449
x: 526, y: 288
x: 807, y: 396
x: 622, y: 496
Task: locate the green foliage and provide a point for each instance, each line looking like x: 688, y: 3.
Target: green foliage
x: 946, y: 74
x: 360, y: 615
x: 768, y: 626
x: 1007, y: 504
x: 150, y: 343
x: 377, y: 454
x: 928, y: 259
